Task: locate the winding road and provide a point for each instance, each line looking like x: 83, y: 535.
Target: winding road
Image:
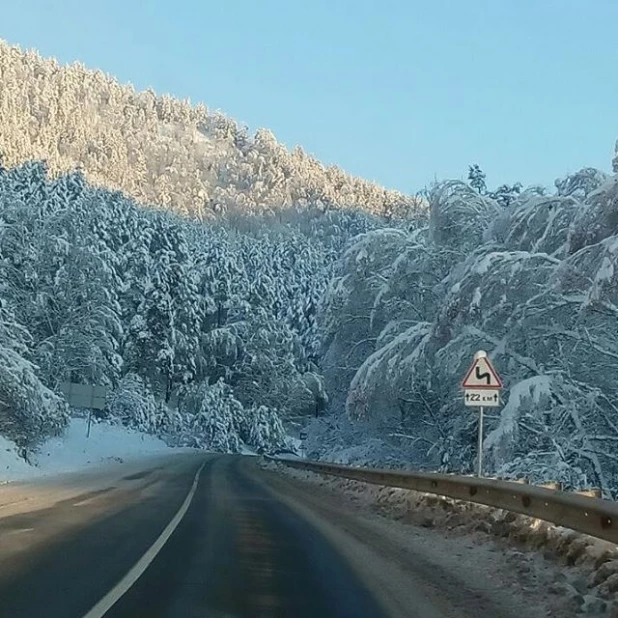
x: 188, y: 536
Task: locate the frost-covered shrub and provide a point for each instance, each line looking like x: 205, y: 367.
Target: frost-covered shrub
x: 29, y: 411
x: 543, y: 467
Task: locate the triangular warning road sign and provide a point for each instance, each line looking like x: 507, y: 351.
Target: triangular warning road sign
x: 482, y: 375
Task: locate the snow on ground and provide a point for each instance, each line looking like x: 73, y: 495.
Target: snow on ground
x: 582, y: 571
x: 12, y: 466
x: 73, y: 451
x: 247, y: 450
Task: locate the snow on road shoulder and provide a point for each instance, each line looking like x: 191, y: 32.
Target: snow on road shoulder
x: 12, y: 466
x: 73, y: 451
x: 580, y: 572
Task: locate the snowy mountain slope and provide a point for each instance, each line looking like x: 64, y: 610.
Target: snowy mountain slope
x: 161, y: 150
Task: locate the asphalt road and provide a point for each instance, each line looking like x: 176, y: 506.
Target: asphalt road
x: 250, y: 545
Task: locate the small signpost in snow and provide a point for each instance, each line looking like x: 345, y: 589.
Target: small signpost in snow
x: 84, y: 396
x: 481, y: 386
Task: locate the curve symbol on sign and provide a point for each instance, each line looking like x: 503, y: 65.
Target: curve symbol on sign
x: 483, y: 376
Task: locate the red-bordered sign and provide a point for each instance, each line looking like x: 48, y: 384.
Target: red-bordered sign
x: 482, y: 375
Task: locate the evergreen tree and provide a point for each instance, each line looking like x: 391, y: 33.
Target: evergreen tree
x: 161, y: 310
x: 29, y: 412
x: 506, y: 194
x: 476, y: 179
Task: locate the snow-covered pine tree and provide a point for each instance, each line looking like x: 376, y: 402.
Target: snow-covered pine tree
x: 476, y: 179
x: 29, y: 412
x: 212, y: 417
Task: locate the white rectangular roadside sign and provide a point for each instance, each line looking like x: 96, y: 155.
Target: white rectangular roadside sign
x: 481, y: 386
x: 482, y: 398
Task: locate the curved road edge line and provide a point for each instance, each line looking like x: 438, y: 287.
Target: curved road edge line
x: 106, y: 603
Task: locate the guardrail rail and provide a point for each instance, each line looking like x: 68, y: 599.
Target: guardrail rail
x: 590, y: 515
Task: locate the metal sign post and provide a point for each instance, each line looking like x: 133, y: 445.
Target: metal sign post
x: 482, y: 390
x: 480, y: 447
x: 87, y: 396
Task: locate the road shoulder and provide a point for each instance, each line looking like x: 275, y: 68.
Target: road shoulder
x: 460, y: 574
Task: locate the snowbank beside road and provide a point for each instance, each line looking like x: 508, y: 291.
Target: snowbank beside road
x: 74, y: 451
x: 581, y: 572
x: 12, y: 466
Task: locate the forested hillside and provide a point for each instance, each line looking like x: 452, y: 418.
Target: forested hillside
x: 293, y: 290
x: 534, y: 283
x: 204, y: 336
x: 163, y: 151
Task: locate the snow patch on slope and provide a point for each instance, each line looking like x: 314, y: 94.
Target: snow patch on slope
x: 12, y: 466
x: 74, y: 451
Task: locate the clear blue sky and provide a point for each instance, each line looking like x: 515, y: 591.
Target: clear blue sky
x: 398, y: 91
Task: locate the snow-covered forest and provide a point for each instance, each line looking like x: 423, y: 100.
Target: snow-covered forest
x: 534, y: 282
x: 264, y: 289
x: 204, y: 335
x: 163, y: 151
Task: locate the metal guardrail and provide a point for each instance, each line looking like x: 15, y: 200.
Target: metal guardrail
x: 593, y: 516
